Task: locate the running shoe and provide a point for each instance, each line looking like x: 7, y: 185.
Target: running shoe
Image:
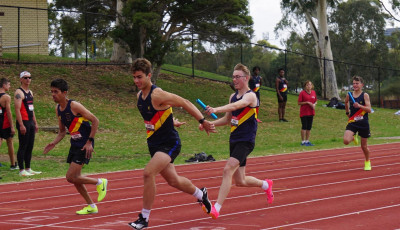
x: 270, y: 194
x: 309, y: 144
x: 284, y: 120
x: 102, y: 189
x: 367, y: 166
x: 302, y: 144
x: 205, y: 202
x: 356, y: 139
x: 213, y: 213
x: 33, y: 172
x: 87, y: 210
x: 140, y: 223
x: 14, y: 167
x: 25, y: 173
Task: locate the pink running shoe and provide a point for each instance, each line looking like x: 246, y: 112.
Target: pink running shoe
x: 270, y: 194
x: 214, y: 214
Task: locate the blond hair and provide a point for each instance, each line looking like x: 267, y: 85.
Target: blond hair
x: 243, y: 68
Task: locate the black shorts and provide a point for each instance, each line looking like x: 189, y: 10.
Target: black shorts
x: 306, y: 122
x: 240, y: 150
x: 77, y: 155
x: 6, y: 133
x: 172, y: 149
x: 284, y: 96
x: 363, y: 130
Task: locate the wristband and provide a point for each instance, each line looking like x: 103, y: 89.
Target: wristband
x: 201, y: 121
x: 347, y: 113
x: 91, y: 139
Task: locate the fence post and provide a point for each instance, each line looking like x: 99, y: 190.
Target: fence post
x: 324, y: 78
x: 379, y: 87
x: 86, y: 36
x: 192, y: 54
x: 285, y: 63
x: 241, y: 53
x: 19, y: 33
x: 1, y: 42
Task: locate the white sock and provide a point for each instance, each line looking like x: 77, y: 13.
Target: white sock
x: 99, y: 181
x: 92, y: 205
x: 146, y: 214
x: 198, y: 194
x: 303, y: 142
x: 217, y: 207
x: 306, y: 141
x: 265, y: 185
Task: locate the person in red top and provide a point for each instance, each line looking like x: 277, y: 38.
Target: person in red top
x: 7, y: 130
x: 307, y: 101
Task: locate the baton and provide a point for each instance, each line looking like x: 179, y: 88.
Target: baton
x: 204, y: 107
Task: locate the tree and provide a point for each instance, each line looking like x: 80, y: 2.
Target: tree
x: 151, y: 28
x: 308, y: 11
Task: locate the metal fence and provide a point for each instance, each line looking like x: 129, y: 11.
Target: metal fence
x: 29, y: 33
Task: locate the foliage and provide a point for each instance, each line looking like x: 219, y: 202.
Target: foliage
x: 151, y: 28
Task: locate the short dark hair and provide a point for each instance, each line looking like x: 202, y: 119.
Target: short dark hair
x: 256, y: 67
x: 4, y: 81
x: 141, y: 64
x: 60, y: 84
x: 358, y: 78
x: 279, y: 70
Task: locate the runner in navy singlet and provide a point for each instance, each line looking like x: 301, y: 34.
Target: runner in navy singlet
x: 163, y: 141
x: 281, y: 86
x: 358, y: 119
x: 240, y: 113
x: 75, y: 118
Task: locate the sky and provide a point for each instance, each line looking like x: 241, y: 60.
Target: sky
x: 267, y: 13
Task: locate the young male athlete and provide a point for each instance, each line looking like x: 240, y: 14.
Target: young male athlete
x: 26, y: 124
x: 240, y: 113
x: 163, y: 140
x: 75, y: 117
x: 281, y: 85
x: 255, y: 83
x: 358, y: 118
x: 7, y: 130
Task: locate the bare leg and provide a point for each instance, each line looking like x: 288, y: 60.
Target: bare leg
x: 364, y: 147
x: 74, y: 176
x: 11, y: 150
x: 176, y: 181
x: 303, y: 135
x: 231, y: 166
x: 242, y: 180
x: 308, y: 132
x: 348, y: 137
x: 157, y: 163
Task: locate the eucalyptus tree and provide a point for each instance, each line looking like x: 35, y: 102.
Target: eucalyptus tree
x: 314, y: 13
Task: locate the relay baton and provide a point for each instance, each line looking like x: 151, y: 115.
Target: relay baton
x: 204, y: 107
x: 352, y: 98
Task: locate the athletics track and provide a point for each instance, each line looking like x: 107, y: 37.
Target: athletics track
x: 325, y: 189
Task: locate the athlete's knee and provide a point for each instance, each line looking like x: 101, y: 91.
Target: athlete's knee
x: 240, y: 183
x: 173, y: 183
x: 147, y: 174
x: 346, y: 142
x: 71, y: 178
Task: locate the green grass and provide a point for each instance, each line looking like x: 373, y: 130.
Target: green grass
x: 108, y: 92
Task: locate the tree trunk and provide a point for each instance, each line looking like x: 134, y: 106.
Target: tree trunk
x: 329, y: 83
x: 119, y: 53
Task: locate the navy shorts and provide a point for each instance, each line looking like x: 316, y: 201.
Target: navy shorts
x: 6, y: 133
x: 363, y: 130
x: 172, y: 149
x: 240, y: 150
x: 284, y: 96
x: 77, y: 156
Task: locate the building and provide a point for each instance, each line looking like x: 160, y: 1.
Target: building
x: 33, y: 24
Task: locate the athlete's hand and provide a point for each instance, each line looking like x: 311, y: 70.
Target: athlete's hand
x: 48, y: 148
x: 356, y: 105
x: 22, y: 130
x: 177, y: 123
x: 208, y: 126
x: 88, y: 148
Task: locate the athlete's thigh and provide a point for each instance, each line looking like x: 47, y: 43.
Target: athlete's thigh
x: 158, y: 163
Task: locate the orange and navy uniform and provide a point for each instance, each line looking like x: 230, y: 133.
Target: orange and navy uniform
x: 358, y: 116
x: 282, y: 86
x: 257, y: 84
x: 78, y: 126
x: 4, y: 122
x: 159, y: 123
x: 27, y: 106
x: 243, y: 123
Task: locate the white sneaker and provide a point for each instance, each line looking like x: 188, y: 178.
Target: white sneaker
x: 33, y: 172
x: 25, y: 173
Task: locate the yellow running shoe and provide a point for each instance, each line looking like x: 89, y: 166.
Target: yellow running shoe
x: 102, y: 189
x: 367, y: 166
x: 356, y: 139
x: 87, y: 210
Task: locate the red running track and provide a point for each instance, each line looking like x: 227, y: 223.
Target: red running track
x: 325, y: 189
